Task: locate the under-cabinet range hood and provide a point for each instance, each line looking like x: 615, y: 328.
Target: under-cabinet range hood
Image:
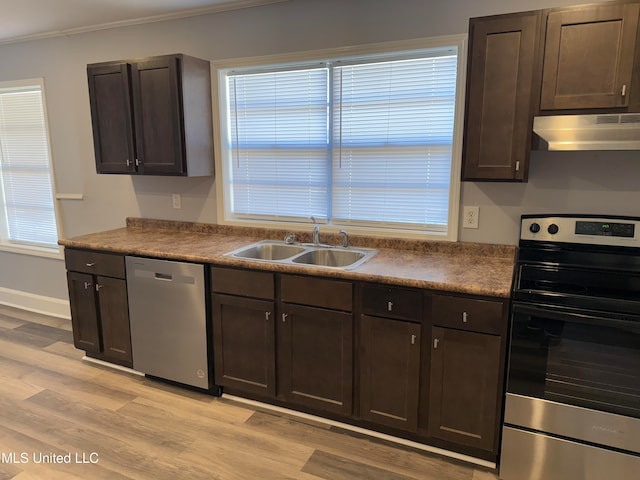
x: 589, y: 132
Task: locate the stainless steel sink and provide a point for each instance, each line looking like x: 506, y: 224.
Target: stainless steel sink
x: 329, y: 257
x: 268, y: 250
x: 274, y: 251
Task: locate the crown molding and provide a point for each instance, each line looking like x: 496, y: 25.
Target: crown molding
x: 221, y: 7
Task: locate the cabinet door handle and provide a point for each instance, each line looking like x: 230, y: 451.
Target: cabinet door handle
x: 284, y: 317
x: 465, y: 317
x: 91, y: 264
x: 98, y: 287
x: 87, y: 285
x: 138, y: 162
x: 413, y: 339
x: 623, y: 92
x: 128, y: 162
x: 389, y: 306
x: 435, y: 343
x: 267, y: 315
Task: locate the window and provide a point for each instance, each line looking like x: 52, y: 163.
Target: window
x: 28, y: 213
x: 366, y: 141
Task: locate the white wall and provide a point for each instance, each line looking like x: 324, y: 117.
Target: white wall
x: 562, y: 183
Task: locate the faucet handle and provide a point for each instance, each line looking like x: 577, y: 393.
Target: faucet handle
x: 313, y: 219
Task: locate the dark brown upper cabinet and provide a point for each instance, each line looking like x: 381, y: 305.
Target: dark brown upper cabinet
x: 152, y: 116
x: 501, y: 95
x: 589, y: 57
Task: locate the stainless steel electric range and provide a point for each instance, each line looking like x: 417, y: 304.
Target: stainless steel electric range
x: 572, y: 409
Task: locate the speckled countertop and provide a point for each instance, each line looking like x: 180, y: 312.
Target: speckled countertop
x: 472, y: 268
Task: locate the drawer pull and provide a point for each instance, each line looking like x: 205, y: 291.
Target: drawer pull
x: 267, y: 315
x: 87, y: 285
x: 435, y: 343
x: 91, y: 264
x: 284, y: 317
x: 389, y: 306
x: 465, y: 317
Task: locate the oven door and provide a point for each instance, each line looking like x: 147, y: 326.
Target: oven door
x: 575, y: 374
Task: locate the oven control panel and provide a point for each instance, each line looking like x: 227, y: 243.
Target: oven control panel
x: 614, y: 231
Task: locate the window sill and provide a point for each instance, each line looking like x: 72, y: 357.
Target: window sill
x: 55, y: 253
x: 369, y: 231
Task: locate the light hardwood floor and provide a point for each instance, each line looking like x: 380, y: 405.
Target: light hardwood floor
x: 53, y: 403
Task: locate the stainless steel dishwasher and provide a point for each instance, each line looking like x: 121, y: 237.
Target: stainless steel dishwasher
x: 168, y: 315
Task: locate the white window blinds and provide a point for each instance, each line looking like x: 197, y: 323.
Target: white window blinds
x: 24, y: 168
x: 279, y: 143
x: 367, y: 142
x: 393, y: 135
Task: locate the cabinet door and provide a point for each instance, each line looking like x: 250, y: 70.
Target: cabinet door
x: 111, y: 119
x: 158, y: 116
x: 500, y: 97
x: 316, y: 358
x: 244, y: 344
x: 114, y: 317
x: 84, y: 314
x: 589, y: 55
x: 390, y: 356
x: 463, y: 403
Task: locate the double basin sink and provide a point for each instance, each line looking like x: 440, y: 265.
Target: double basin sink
x: 273, y: 251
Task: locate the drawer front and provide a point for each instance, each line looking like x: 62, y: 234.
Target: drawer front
x: 244, y: 283
x: 392, y: 302
x: 97, y: 263
x: 468, y: 314
x: 317, y: 292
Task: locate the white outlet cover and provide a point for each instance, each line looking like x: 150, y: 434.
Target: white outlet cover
x: 470, y: 217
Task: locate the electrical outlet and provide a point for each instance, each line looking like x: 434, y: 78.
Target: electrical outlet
x: 177, y: 200
x: 470, y: 217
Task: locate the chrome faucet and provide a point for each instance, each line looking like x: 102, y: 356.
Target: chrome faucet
x: 345, y: 238
x: 316, y: 232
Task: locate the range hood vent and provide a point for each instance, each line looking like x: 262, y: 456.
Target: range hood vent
x: 589, y: 132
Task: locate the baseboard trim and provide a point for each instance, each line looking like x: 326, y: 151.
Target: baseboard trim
x: 364, y: 431
x: 112, y: 365
x: 32, y: 302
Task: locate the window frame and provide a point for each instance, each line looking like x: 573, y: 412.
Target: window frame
x: 385, y: 50
x: 7, y: 245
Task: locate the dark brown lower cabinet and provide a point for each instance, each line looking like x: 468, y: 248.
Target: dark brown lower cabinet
x: 114, y: 315
x: 84, y: 313
x: 244, y: 344
x: 100, y: 316
x: 315, y: 363
x: 465, y: 375
x: 390, y: 372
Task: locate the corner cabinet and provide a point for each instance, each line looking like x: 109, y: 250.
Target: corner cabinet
x: 99, y: 306
x: 589, y: 57
x: 152, y: 116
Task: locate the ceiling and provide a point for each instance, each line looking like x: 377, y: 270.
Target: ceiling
x: 32, y: 19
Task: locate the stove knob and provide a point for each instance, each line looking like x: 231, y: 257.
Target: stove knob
x: 534, y: 227
x: 553, y: 229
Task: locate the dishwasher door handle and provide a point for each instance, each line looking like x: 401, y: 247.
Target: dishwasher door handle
x: 166, y: 277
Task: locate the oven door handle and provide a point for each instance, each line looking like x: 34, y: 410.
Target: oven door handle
x: 576, y: 317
